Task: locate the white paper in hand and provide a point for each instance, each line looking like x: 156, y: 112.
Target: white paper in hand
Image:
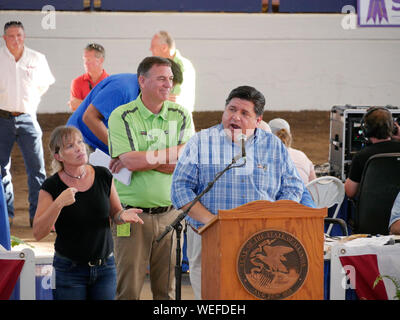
x: 99, y: 158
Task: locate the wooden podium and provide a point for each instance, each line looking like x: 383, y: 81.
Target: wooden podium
x: 264, y: 250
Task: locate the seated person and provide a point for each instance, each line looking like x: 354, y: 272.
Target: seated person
x: 394, y: 223
x: 380, y: 131
x: 304, y: 166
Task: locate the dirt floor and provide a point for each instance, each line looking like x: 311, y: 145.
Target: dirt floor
x: 310, y: 130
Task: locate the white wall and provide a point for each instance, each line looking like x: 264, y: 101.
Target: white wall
x: 302, y: 61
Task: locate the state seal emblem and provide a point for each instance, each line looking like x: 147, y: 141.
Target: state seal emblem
x: 272, y: 264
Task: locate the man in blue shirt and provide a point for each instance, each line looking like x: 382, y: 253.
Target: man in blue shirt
x: 91, y: 117
x: 268, y: 174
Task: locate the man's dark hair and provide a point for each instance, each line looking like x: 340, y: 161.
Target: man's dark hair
x: 378, y: 123
x: 250, y: 94
x: 148, y: 62
x: 10, y: 24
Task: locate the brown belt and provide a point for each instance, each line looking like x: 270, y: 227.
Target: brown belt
x: 7, y: 114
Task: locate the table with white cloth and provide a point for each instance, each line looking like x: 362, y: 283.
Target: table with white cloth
x: 352, y: 265
x: 356, y: 262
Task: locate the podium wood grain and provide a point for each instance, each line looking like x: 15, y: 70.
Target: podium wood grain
x: 223, y: 237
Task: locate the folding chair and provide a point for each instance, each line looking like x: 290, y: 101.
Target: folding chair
x: 326, y: 192
x: 379, y: 186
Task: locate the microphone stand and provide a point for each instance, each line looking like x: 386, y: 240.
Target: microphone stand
x: 176, y: 224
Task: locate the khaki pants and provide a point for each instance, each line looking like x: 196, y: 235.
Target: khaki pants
x: 193, y: 252
x: 134, y: 254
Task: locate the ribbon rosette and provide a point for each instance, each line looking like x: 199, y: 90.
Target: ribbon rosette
x: 377, y: 8
x: 393, y: 6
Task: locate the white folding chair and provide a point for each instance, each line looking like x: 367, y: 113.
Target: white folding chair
x: 326, y: 192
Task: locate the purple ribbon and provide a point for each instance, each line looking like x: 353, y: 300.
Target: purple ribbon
x: 396, y: 8
x: 377, y: 8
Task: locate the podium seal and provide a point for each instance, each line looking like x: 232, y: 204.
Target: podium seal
x: 272, y: 264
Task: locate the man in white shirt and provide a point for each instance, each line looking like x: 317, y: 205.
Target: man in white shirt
x: 163, y: 45
x: 25, y: 76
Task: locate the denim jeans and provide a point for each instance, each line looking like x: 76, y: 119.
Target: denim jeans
x: 82, y: 282
x: 24, y: 130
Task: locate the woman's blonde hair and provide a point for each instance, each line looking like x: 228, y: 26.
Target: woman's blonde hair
x: 58, y: 138
x: 285, y: 137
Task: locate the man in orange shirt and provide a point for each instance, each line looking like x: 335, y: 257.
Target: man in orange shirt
x: 93, y: 59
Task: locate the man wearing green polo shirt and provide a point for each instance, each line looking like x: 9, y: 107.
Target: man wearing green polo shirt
x: 146, y: 135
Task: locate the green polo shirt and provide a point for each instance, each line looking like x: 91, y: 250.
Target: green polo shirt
x: 133, y: 127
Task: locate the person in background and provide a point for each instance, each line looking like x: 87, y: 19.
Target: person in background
x: 268, y: 174
x: 304, y: 166
x: 93, y: 59
x: 383, y: 135
x: 264, y: 126
x: 146, y: 135
x: 163, y: 45
x: 25, y: 76
x: 394, y: 223
x: 80, y: 200
x: 91, y: 117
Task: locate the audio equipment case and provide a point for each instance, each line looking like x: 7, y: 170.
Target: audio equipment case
x: 346, y: 138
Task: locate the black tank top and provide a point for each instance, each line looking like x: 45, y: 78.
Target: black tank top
x: 83, y: 228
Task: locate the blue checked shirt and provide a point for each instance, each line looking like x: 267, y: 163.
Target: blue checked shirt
x: 269, y: 173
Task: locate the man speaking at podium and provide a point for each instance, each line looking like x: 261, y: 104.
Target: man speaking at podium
x: 264, y: 170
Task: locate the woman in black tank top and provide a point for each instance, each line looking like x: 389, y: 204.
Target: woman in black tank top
x: 80, y: 199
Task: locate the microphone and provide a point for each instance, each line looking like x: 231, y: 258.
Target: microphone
x: 242, y: 138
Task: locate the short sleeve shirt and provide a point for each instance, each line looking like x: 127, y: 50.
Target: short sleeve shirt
x: 81, y: 86
x: 22, y: 82
x: 361, y: 158
x: 83, y: 228
x: 109, y: 94
x: 132, y: 127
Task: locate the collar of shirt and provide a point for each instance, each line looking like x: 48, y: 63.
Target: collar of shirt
x: 7, y: 53
x: 86, y: 77
x: 177, y: 55
x: 11, y: 57
x: 146, y: 113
